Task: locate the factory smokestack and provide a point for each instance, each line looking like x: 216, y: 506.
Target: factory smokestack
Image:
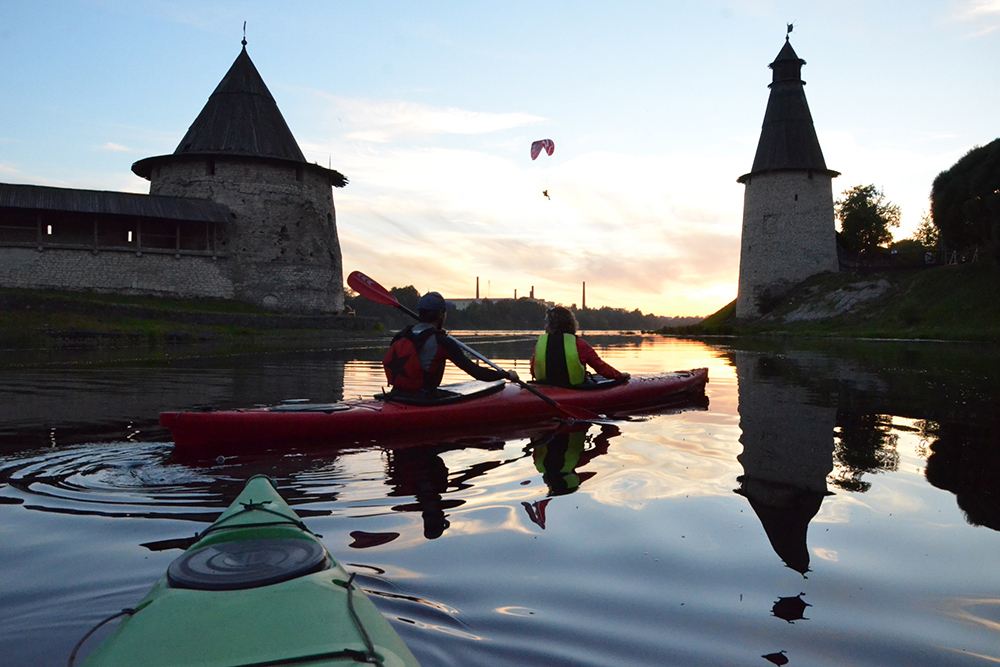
x: 477, y: 287
x: 584, y: 305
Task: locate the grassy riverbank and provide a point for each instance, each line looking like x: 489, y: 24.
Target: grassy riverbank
x: 960, y: 302
x: 45, y: 319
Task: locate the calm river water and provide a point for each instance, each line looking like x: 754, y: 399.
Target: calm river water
x: 835, y: 504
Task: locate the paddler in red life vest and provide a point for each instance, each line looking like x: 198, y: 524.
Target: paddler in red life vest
x: 561, y: 357
x: 416, y: 357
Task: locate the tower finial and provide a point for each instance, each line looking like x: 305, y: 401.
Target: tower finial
x: 244, y: 42
x: 788, y: 32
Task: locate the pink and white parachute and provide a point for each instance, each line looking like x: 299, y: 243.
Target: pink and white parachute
x: 537, y: 146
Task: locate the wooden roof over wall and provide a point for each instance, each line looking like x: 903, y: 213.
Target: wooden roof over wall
x: 40, y: 197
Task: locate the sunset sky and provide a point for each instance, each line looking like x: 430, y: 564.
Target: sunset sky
x: 430, y: 108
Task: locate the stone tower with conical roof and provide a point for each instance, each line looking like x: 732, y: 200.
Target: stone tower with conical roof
x: 788, y: 221
x: 281, y: 242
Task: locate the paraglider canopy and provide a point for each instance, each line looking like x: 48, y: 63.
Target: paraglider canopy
x: 537, y: 146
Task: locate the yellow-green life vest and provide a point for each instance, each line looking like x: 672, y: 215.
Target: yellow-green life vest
x: 557, y: 457
x: 558, y: 364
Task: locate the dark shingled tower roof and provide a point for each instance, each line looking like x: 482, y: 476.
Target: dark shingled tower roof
x: 240, y: 118
x: 787, y: 139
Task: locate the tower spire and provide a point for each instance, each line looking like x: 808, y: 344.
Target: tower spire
x: 788, y: 138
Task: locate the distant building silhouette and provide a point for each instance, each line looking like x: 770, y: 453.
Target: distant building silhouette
x: 788, y: 218
x: 234, y: 212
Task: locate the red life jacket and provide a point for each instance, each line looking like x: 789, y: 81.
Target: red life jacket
x: 401, y: 362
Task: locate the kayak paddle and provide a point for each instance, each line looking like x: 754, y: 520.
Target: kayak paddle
x: 372, y: 291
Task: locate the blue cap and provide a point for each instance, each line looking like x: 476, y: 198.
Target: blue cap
x: 432, y: 301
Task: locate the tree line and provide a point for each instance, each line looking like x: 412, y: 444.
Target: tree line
x: 509, y: 314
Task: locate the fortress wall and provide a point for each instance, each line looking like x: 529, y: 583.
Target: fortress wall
x: 283, y: 240
x: 788, y: 235
x: 113, y: 271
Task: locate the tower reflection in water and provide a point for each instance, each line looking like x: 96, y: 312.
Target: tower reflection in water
x: 787, y: 455
x: 788, y: 452
x: 817, y: 418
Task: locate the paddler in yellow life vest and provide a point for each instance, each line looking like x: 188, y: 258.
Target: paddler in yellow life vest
x: 416, y: 357
x: 561, y: 357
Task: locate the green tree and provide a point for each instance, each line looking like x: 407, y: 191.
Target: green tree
x: 926, y: 233
x: 866, y: 217
x: 965, y: 201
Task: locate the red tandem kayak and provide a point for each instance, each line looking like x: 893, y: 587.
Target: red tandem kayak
x: 471, y: 406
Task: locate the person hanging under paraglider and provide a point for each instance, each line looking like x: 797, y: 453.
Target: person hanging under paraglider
x: 537, y: 147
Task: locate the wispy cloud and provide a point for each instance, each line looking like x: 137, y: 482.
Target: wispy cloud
x: 115, y: 148
x: 4, y: 169
x: 985, y: 14
x: 384, y: 121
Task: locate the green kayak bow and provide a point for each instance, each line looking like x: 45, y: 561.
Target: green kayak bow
x: 257, y: 588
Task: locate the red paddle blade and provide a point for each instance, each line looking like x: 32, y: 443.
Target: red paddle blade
x: 371, y: 290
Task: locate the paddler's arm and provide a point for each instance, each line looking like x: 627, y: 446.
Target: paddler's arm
x: 483, y: 373
x: 588, y: 357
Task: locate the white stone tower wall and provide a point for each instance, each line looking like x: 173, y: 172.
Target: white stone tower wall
x: 283, y: 242
x: 788, y: 235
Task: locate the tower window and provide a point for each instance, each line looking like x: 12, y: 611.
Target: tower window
x: 48, y: 230
x: 796, y: 197
x: 210, y: 167
x: 298, y: 173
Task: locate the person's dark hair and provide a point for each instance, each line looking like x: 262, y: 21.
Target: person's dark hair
x: 559, y: 320
x: 427, y: 315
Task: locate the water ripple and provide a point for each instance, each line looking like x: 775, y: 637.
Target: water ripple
x: 84, y: 479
